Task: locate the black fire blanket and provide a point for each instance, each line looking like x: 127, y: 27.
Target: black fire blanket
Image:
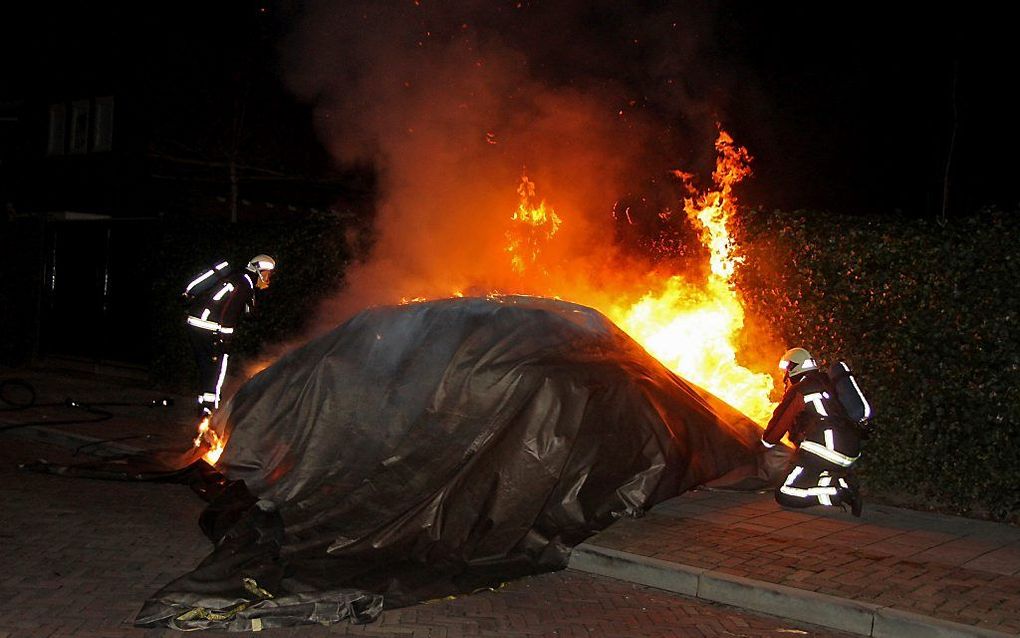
x: 436, y: 448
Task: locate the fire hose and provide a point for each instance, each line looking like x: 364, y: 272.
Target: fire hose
x: 18, y: 395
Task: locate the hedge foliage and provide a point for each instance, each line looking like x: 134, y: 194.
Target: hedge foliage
x: 927, y: 317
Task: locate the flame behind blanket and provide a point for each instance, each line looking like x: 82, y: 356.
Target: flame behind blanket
x: 433, y: 448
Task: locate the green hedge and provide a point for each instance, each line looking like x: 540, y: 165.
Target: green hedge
x: 927, y: 316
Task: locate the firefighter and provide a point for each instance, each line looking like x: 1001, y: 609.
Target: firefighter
x: 828, y: 441
x: 216, y: 301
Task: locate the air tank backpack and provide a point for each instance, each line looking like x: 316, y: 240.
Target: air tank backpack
x: 849, y: 393
x: 206, y: 281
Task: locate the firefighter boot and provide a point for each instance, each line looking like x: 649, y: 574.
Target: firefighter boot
x: 850, y: 494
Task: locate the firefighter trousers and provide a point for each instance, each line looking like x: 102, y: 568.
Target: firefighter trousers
x: 809, y: 484
x: 822, y: 467
x: 212, y: 358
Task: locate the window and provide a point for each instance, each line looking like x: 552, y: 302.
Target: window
x: 58, y: 116
x: 102, y: 125
x: 78, y: 139
x: 81, y: 126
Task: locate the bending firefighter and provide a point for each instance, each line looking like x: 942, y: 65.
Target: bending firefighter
x: 823, y: 414
x: 216, y: 301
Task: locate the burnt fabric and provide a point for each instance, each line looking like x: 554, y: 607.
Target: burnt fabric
x: 435, y: 448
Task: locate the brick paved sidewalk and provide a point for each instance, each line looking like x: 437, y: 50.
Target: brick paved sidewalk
x: 891, y: 572
x: 78, y: 557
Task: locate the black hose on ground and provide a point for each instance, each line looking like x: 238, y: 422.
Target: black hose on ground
x: 19, y: 394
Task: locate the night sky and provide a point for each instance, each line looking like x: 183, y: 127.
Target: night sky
x: 859, y: 106
x: 849, y: 107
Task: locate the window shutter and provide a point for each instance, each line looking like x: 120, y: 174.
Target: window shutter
x: 102, y: 125
x: 58, y: 125
x: 79, y: 137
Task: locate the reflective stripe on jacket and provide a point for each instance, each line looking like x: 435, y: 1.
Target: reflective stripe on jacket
x: 220, y: 306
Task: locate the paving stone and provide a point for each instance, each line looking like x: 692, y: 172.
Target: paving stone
x: 81, y: 556
x: 894, y: 570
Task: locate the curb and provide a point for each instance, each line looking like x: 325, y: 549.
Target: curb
x: 865, y: 619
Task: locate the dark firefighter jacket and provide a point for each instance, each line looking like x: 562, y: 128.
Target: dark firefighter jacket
x: 807, y: 401
x: 219, y: 297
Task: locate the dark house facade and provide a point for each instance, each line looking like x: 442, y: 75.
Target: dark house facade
x: 111, y: 138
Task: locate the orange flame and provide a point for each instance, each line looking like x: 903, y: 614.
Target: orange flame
x: 691, y: 331
x: 209, y: 438
x: 692, y: 328
x: 713, y: 210
x: 689, y: 328
x: 535, y: 226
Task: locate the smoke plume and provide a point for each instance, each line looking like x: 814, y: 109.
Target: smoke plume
x: 453, y: 101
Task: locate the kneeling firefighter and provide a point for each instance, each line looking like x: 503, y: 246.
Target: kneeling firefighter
x: 824, y: 414
x: 216, y: 301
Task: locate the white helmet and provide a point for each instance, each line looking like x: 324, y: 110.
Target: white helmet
x: 262, y: 266
x: 795, y: 362
x: 261, y: 262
